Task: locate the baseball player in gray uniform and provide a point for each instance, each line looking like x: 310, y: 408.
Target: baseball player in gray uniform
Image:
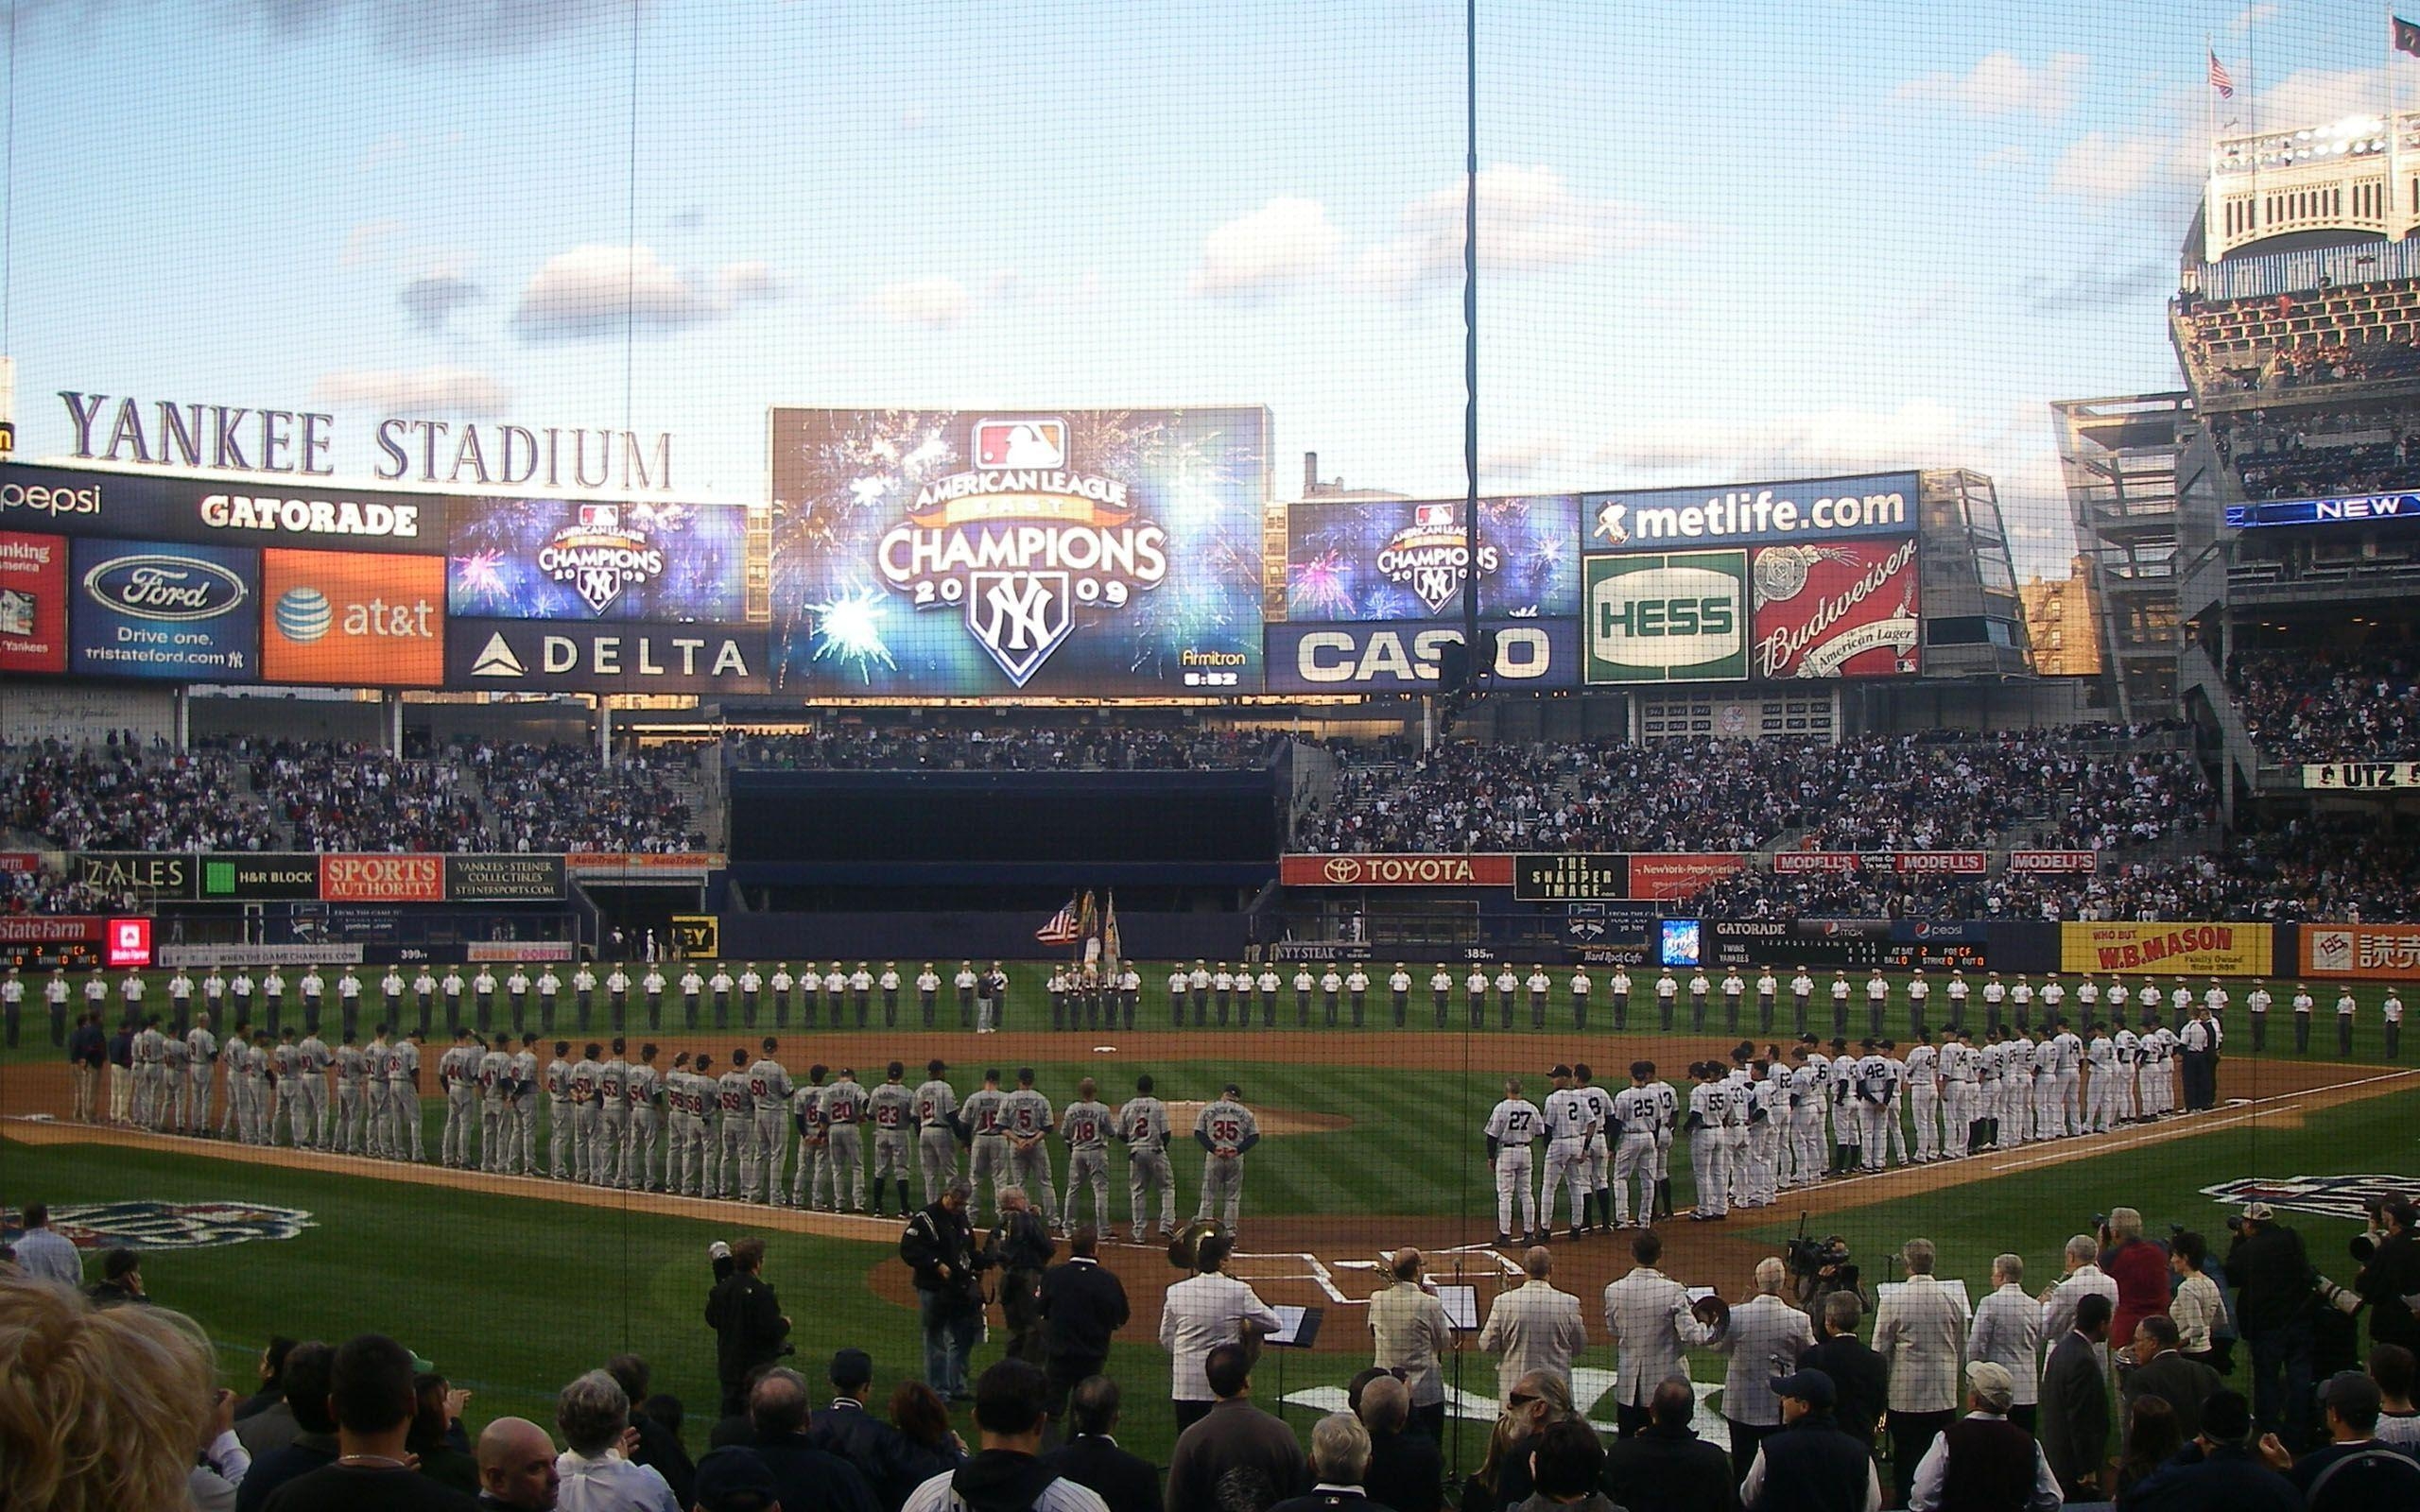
x: 845, y: 1116
x: 558, y: 1111
x: 613, y: 1118
x: 350, y: 1068
x: 403, y: 1095
x: 1226, y: 1131
x: 1029, y: 1120
x: 1085, y: 1127
x: 201, y: 1051
x: 524, y: 1104
x: 891, y: 1109
x: 1143, y: 1122
x: 937, y: 1131
x: 643, y: 1155
x: 494, y: 1074
x: 768, y: 1096
x: 457, y: 1077
x: 989, y: 1132
x: 727, y: 1155
x: 585, y: 1159
x: 1513, y: 1129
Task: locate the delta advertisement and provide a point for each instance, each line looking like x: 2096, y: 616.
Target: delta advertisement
x: 33, y: 602
x: 342, y: 620
x: 1835, y: 611
x: 1409, y: 559
x: 612, y: 656
x: 972, y: 553
x: 2372, y: 952
x: 1811, y: 512
x: 2189, y: 949
x: 152, y: 608
x: 570, y: 560
x: 1402, y: 656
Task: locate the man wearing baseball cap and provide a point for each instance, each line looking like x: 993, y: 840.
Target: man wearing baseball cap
x: 735, y: 1479
x: 2274, y: 1299
x: 878, y: 1450
x: 1811, y: 1463
x: 1004, y: 1476
x: 2352, y: 1470
x: 1975, y: 1460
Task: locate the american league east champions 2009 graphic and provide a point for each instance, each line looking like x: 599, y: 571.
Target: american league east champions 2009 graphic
x: 964, y: 553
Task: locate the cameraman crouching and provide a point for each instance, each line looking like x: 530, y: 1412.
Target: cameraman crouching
x: 938, y: 1244
x: 2275, y: 1302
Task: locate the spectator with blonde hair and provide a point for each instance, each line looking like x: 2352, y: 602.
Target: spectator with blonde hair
x: 100, y: 1410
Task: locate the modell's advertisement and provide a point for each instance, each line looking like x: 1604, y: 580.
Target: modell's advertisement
x: 1839, y: 609
x: 970, y: 553
x: 1409, y: 559
x: 575, y: 559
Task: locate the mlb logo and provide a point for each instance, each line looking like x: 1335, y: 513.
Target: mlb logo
x: 1020, y: 443
x: 601, y: 519
x: 1434, y: 517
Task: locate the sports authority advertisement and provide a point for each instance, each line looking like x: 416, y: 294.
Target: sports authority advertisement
x: 340, y: 620
x: 156, y: 507
x: 1402, y: 656
x: 1408, y: 559
x: 2191, y: 950
x: 2374, y: 953
x: 1665, y: 617
x: 1835, y: 611
x: 148, y: 609
x: 969, y: 553
x: 417, y: 879
x: 1814, y: 511
x: 33, y: 602
x: 613, y: 655
x: 569, y: 560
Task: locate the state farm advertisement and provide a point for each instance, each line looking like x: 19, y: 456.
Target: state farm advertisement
x: 382, y: 879
x: 2374, y: 952
x: 33, y: 602
x: 1396, y: 871
x: 1836, y: 610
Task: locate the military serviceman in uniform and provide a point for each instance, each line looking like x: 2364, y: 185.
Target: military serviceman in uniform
x: 1399, y: 994
x: 720, y: 985
x: 1540, y: 984
x: 1618, y: 988
x: 1508, y: 983
x: 1441, y: 991
x: 1143, y: 1122
x: 1179, y: 984
x: 751, y: 989
x: 928, y: 988
x: 782, y: 983
x: 1303, y: 982
x: 1735, y: 986
x: 861, y: 992
x: 966, y: 984
x: 1579, y: 998
x: 1130, y: 993
x: 1357, y: 983
x: 1331, y: 986
x: 1667, y: 993
x: 889, y: 982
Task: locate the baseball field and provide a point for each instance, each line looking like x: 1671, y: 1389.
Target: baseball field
x: 513, y: 1285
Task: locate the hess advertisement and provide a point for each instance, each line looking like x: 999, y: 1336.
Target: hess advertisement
x: 1408, y: 559
x: 341, y: 621
x: 1400, y: 656
x: 569, y: 560
x: 1835, y: 611
x: 149, y: 608
x: 1672, y: 617
x: 989, y: 551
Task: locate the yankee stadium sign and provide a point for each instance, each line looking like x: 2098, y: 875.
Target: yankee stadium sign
x: 1020, y: 541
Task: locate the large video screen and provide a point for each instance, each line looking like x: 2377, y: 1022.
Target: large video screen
x: 965, y: 552
x: 1409, y: 559
x: 578, y: 559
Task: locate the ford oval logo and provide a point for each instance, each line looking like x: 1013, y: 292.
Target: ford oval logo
x: 161, y: 587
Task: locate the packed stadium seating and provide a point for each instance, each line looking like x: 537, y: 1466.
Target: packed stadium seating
x: 1021, y: 750
x: 118, y: 797
x: 2300, y: 454
x: 2311, y: 705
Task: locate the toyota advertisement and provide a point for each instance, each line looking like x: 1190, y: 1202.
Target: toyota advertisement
x: 1410, y: 558
x: 969, y: 553
x: 1402, y: 656
x: 569, y: 560
x: 149, y: 608
x: 1835, y: 611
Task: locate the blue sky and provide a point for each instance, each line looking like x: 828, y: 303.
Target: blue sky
x: 1721, y: 241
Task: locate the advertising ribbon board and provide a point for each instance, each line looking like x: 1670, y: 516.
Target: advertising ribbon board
x: 1396, y: 871
x: 2361, y: 776
x: 504, y: 879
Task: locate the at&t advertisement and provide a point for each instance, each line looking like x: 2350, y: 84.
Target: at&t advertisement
x: 988, y: 552
x: 573, y: 559
x: 1408, y: 559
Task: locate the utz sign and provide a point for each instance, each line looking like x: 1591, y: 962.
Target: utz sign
x: 1020, y: 541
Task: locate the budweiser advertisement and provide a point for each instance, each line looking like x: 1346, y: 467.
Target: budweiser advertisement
x: 1839, y: 609
x: 1396, y: 871
x: 2375, y: 953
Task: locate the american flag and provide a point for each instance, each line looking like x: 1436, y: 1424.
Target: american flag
x: 2219, y: 78
x: 1062, y: 929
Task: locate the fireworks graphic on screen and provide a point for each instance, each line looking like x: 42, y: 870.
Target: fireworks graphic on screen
x: 849, y: 630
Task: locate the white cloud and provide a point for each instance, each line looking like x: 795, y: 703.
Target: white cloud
x: 586, y: 292
x: 369, y: 242
x: 431, y: 300
x: 1529, y: 220
x: 926, y: 301
x: 1282, y: 243
x: 748, y: 283
x: 2003, y: 83
x: 414, y: 391
x: 2100, y: 166
x: 1683, y: 448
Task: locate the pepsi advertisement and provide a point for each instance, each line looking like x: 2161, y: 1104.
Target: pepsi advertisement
x: 162, y: 507
x: 1409, y: 559
x: 987, y: 553
x: 573, y: 559
x: 153, y: 608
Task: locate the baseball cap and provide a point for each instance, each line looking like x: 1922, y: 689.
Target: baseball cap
x: 735, y: 1479
x: 2259, y: 1212
x: 851, y: 1367
x: 1558, y: 1068
x: 2350, y: 1393
x: 1991, y: 1383
x: 1812, y: 1387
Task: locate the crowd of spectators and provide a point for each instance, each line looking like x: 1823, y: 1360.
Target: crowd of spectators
x: 339, y: 796
x: 2350, y: 451
x: 1868, y: 793
x: 2315, y: 705
x: 118, y: 797
x: 563, y: 798
x: 856, y: 748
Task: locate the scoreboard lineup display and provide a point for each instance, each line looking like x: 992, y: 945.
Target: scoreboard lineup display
x: 904, y: 555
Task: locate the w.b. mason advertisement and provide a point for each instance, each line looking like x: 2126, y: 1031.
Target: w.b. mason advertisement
x: 989, y: 551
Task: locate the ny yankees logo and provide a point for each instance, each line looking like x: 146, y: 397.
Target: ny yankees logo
x: 1019, y: 617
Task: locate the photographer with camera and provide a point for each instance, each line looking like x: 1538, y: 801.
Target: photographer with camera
x: 1819, y: 1267
x: 750, y: 1330
x: 2390, y: 1275
x: 2276, y: 1300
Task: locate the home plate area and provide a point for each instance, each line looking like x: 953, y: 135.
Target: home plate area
x: 1289, y: 1280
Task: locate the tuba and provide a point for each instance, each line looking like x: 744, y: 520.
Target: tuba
x: 1185, y: 1246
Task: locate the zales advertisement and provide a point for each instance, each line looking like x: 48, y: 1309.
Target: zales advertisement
x: 964, y: 553
x: 1836, y: 610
